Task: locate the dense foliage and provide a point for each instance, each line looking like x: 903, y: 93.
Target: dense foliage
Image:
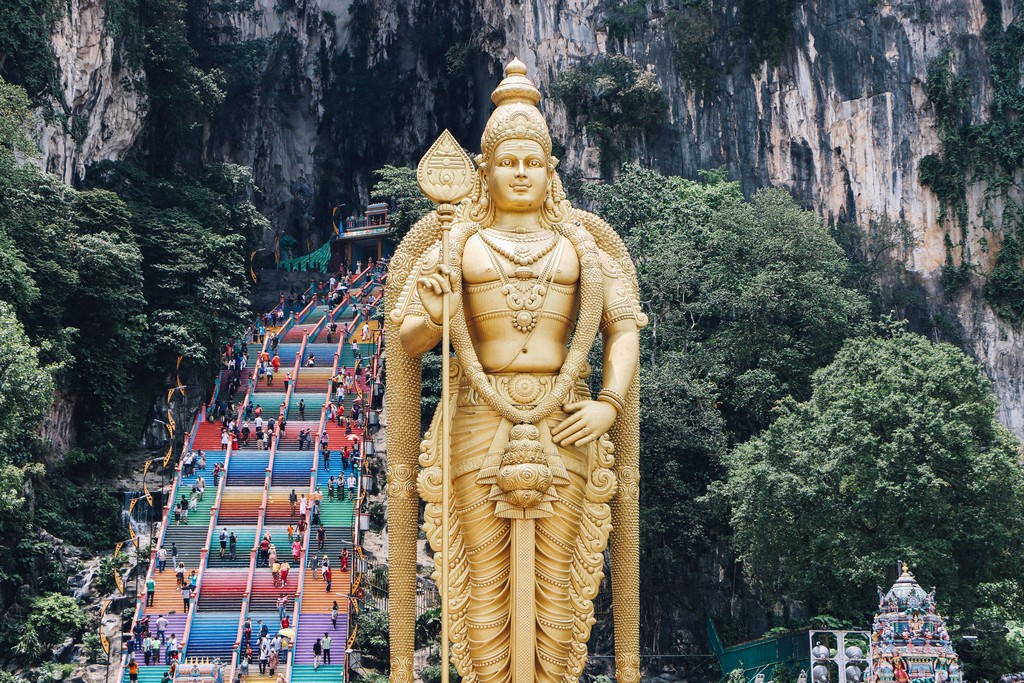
x: 102, y: 289
x: 615, y: 99
x: 373, y: 636
x: 897, y: 454
x: 753, y: 294
x: 197, y: 68
x: 745, y: 300
x: 26, y: 54
x: 398, y: 186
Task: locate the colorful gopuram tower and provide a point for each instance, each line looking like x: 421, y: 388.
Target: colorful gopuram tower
x: 909, y: 642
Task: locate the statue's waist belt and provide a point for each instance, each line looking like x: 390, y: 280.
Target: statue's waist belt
x: 524, y: 391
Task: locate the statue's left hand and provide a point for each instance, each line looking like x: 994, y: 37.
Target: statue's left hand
x: 588, y: 421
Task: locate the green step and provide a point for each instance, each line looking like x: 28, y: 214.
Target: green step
x: 149, y: 674
x: 201, y: 515
x: 304, y: 673
x: 337, y: 513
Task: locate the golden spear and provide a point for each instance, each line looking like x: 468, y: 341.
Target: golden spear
x: 445, y: 175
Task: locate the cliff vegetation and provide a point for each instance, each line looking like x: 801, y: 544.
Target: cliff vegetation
x: 102, y: 289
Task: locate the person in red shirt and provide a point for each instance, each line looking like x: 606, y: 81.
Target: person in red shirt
x: 327, y: 577
x: 275, y: 363
x: 265, y: 550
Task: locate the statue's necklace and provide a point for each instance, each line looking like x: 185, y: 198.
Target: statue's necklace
x: 521, y: 254
x: 587, y: 322
x: 525, y: 297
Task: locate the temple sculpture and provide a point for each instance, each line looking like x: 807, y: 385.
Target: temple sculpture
x: 909, y: 642
x: 524, y: 472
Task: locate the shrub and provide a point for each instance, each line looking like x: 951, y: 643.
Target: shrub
x: 54, y: 618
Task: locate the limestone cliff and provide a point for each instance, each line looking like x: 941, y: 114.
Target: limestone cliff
x: 843, y: 120
x: 99, y: 106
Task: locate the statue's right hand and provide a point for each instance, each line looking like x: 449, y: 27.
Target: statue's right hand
x: 432, y: 288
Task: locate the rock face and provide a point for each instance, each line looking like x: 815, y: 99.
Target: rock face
x: 842, y: 121
x: 102, y: 107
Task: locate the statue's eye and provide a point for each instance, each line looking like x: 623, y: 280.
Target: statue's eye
x: 505, y: 162
x: 535, y: 163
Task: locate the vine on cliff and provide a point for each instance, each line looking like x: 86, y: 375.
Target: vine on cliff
x: 26, y: 54
x: 695, y: 28
x: 990, y: 153
x: 617, y: 101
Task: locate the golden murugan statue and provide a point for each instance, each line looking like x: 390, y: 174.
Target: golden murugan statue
x: 538, y: 473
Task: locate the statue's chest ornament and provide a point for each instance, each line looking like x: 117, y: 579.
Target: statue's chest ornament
x: 526, y: 294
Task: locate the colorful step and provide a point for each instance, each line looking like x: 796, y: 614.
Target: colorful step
x: 248, y: 468
x: 240, y: 505
x: 313, y: 628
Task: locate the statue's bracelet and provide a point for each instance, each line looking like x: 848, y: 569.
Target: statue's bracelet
x: 431, y: 325
x: 613, y: 398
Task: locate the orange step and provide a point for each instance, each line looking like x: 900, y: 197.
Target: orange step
x: 167, y: 596
x: 316, y: 599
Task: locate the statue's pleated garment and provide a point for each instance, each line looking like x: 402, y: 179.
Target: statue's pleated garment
x: 568, y: 547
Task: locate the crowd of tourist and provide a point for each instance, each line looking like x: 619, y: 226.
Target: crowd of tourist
x: 269, y: 650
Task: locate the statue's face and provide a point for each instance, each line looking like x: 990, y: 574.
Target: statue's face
x: 518, y: 176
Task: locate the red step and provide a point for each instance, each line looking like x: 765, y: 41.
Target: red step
x: 208, y: 437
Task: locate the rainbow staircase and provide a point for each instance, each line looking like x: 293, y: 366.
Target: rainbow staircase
x: 252, y: 500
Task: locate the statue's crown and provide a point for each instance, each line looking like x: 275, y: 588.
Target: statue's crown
x: 516, y: 87
x: 516, y: 116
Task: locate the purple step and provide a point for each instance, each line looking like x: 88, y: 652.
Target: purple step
x: 175, y: 625
x: 313, y: 626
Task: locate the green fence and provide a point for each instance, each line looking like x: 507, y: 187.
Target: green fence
x: 315, y: 260
x: 759, y: 656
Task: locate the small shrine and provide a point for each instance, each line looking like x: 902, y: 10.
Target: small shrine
x: 909, y: 642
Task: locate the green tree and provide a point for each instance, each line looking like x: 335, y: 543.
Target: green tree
x: 896, y: 455
x: 615, y: 99
x: 15, y: 118
x: 96, y: 211
x: 26, y: 54
x: 751, y: 292
x: 55, y: 617
x: 26, y: 389
x: 35, y: 218
x: 372, y: 635
x: 109, y: 316
x: 194, y: 237
x: 397, y: 185
x: 745, y: 300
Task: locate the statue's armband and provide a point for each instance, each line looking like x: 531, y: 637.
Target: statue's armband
x: 620, y: 299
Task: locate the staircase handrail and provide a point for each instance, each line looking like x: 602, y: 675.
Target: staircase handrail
x: 245, y: 598
x: 204, y: 554
x: 354, y: 630
x: 306, y: 310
